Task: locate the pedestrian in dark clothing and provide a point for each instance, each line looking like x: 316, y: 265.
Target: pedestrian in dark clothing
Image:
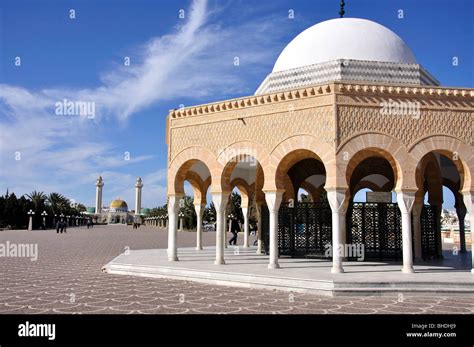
x: 58, y: 226
x: 234, y: 229
x: 61, y: 226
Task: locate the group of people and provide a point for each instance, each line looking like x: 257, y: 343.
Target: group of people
x: 61, y: 226
x: 90, y: 224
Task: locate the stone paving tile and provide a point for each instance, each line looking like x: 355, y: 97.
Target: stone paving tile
x: 67, y: 278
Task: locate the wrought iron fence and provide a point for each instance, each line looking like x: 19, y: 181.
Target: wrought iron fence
x: 430, y: 232
x: 378, y: 227
x: 305, y: 229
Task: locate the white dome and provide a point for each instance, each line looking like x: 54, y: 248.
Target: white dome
x: 344, y: 38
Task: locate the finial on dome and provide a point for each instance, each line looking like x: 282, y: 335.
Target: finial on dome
x: 341, y: 12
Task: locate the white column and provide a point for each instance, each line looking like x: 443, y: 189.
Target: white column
x: 220, y: 202
x: 405, y: 201
x: 245, y: 212
x: 172, y: 227
x: 273, y: 199
x: 259, y: 228
x: 468, y: 198
x: 339, y: 203
x: 98, y: 195
x: 199, y: 208
x: 138, y: 196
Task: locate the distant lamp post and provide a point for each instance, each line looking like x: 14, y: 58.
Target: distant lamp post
x: 229, y: 224
x: 181, y: 215
x: 67, y: 220
x: 30, y: 223
x: 44, y: 214
x: 54, y: 219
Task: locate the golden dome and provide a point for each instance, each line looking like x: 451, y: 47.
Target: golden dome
x: 118, y: 204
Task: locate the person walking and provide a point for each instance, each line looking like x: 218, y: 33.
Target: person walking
x: 234, y: 229
x: 58, y: 226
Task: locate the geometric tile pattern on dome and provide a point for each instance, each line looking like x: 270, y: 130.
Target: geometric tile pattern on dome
x: 346, y: 70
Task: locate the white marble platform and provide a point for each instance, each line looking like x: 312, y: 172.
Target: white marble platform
x: 244, y: 268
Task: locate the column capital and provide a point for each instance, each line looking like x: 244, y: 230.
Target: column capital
x: 406, y: 200
x: 175, y: 196
x: 468, y: 199
x: 273, y: 199
x: 338, y: 199
x: 173, y: 201
x: 220, y: 200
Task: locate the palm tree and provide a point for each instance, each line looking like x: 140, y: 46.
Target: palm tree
x: 189, y: 218
x: 209, y: 215
x: 37, y: 198
x: 235, y: 206
x: 57, y: 202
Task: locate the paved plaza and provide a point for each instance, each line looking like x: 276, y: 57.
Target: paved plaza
x: 67, y: 278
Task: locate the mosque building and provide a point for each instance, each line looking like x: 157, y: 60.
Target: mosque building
x: 117, y: 212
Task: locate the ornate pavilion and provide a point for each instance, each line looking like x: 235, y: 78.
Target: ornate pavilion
x: 346, y: 107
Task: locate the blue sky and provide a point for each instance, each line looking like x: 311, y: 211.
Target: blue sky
x: 173, y: 61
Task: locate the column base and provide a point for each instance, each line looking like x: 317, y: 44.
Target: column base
x: 245, y: 246
x: 219, y: 262
x: 408, y: 270
x: 198, y: 248
x: 173, y: 258
x: 273, y: 266
x: 472, y: 271
x: 337, y: 270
